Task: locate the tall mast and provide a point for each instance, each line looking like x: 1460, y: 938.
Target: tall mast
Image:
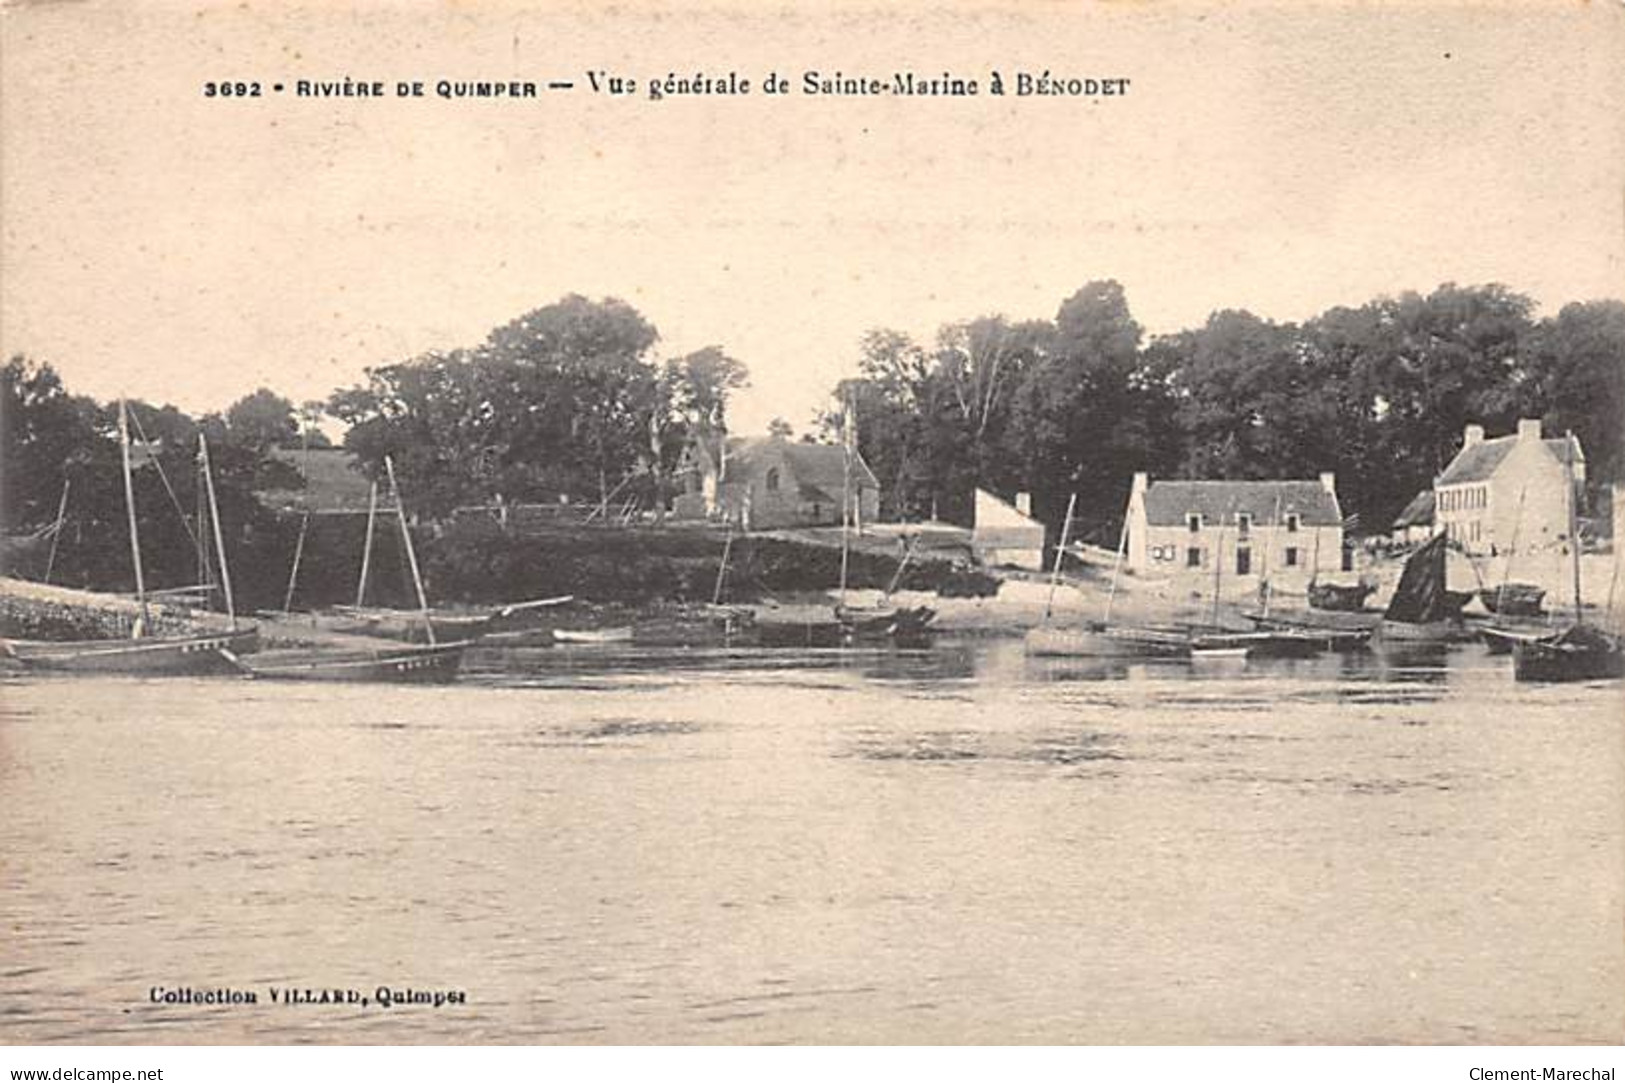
x: 846, y: 491
x: 129, y: 505
x: 1060, y: 555
x: 1574, y: 520
x: 366, y: 548
x: 219, y: 539
x: 1218, y: 567
x: 1117, y: 566
x: 304, y: 524
x: 1269, y: 555
x: 411, y: 554
x: 1512, y: 549
x: 56, y: 534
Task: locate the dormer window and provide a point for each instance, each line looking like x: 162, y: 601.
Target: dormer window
x: 1292, y: 522
x: 1244, y: 524
x: 1193, y: 522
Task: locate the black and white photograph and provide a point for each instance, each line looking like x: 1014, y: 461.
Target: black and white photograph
x: 693, y: 524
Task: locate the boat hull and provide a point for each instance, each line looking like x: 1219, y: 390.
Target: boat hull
x: 170, y: 656
x: 840, y: 626
x: 1339, y: 598
x: 1503, y: 640
x: 1579, y: 654
x: 404, y: 626
x: 1106, y: 643
x: 404, y: 665
x: 1438, y: 631
x: 1513, y: 599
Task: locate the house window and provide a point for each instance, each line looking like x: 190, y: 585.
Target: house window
x: 1193, y: 557
x: 1292, y: 522
x: 1292, y: 556
x: 1244, y: 524
x: 773, y: 480
x: 1244, y: 560
x: 1193, y: 522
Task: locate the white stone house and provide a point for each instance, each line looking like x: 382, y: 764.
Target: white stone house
x: 1286, y: 530
x: 1510, y: 493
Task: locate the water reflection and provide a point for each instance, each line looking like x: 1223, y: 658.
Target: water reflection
x: 621, y: 844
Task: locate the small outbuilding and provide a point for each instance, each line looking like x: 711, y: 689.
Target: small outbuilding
x: 1007, y: 534
x: 1415, y: 523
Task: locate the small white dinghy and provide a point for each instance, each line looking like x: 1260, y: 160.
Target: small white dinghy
x: 621, y: 634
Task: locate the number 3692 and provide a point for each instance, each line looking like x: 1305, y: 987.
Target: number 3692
x: 231, y: 90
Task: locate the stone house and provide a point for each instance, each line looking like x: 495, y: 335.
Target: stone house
x: 1509, y: 492
x: 770, y: 483
x: 1289, y: 530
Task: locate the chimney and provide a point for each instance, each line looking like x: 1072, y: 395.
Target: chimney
x: 1142, y: 481
x: 1529, y: 428
x: 1024, y: 504
x: 1328, y: 481
x: 1473, y: 435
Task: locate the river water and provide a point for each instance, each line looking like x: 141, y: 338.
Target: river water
x: 959, y: 845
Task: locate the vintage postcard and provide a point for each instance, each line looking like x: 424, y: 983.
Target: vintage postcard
x: 708, y: 524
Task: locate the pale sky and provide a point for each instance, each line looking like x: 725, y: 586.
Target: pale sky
x: 177, y: 248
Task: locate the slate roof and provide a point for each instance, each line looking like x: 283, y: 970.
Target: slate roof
x: 1419, y: 512
x: 1481, y: 460
x: 819, y: 469
x: 1168, y: 502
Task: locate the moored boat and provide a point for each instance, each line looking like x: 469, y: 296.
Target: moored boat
x: 1340, y: 597
x: 407, y: 664
x: 449, y: 625
x: 166, y: 655
x: 1503, y: 638
x: 1582, y: 652
x: 1513, y: 599
x: 1422, y: 610
x: 618, y: 634
x: 189, y: 653
x: 1326, y: 637
x: 1100, y: 640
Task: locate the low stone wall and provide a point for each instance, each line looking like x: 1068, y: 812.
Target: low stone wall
x: 37, y: 611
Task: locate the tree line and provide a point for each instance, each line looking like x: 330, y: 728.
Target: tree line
x: 572, y: 398
x: 1378, y: 393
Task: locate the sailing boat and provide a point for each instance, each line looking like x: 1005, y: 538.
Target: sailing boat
x: 1213, y: 642
x: 843, y: 623
x: 1272, y: 637
x: 432, y: 662
x: 1422, y: 610
x: 1102, y: 638
x: 146, y: 654
x: 1581, y: 652
x: 1512, y: 600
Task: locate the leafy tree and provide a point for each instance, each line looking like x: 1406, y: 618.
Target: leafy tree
x: 44, y: 433
x: 565, y: 399
x: 262, y: 421
x: 1574, y: 379
x: 1074, y: 416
